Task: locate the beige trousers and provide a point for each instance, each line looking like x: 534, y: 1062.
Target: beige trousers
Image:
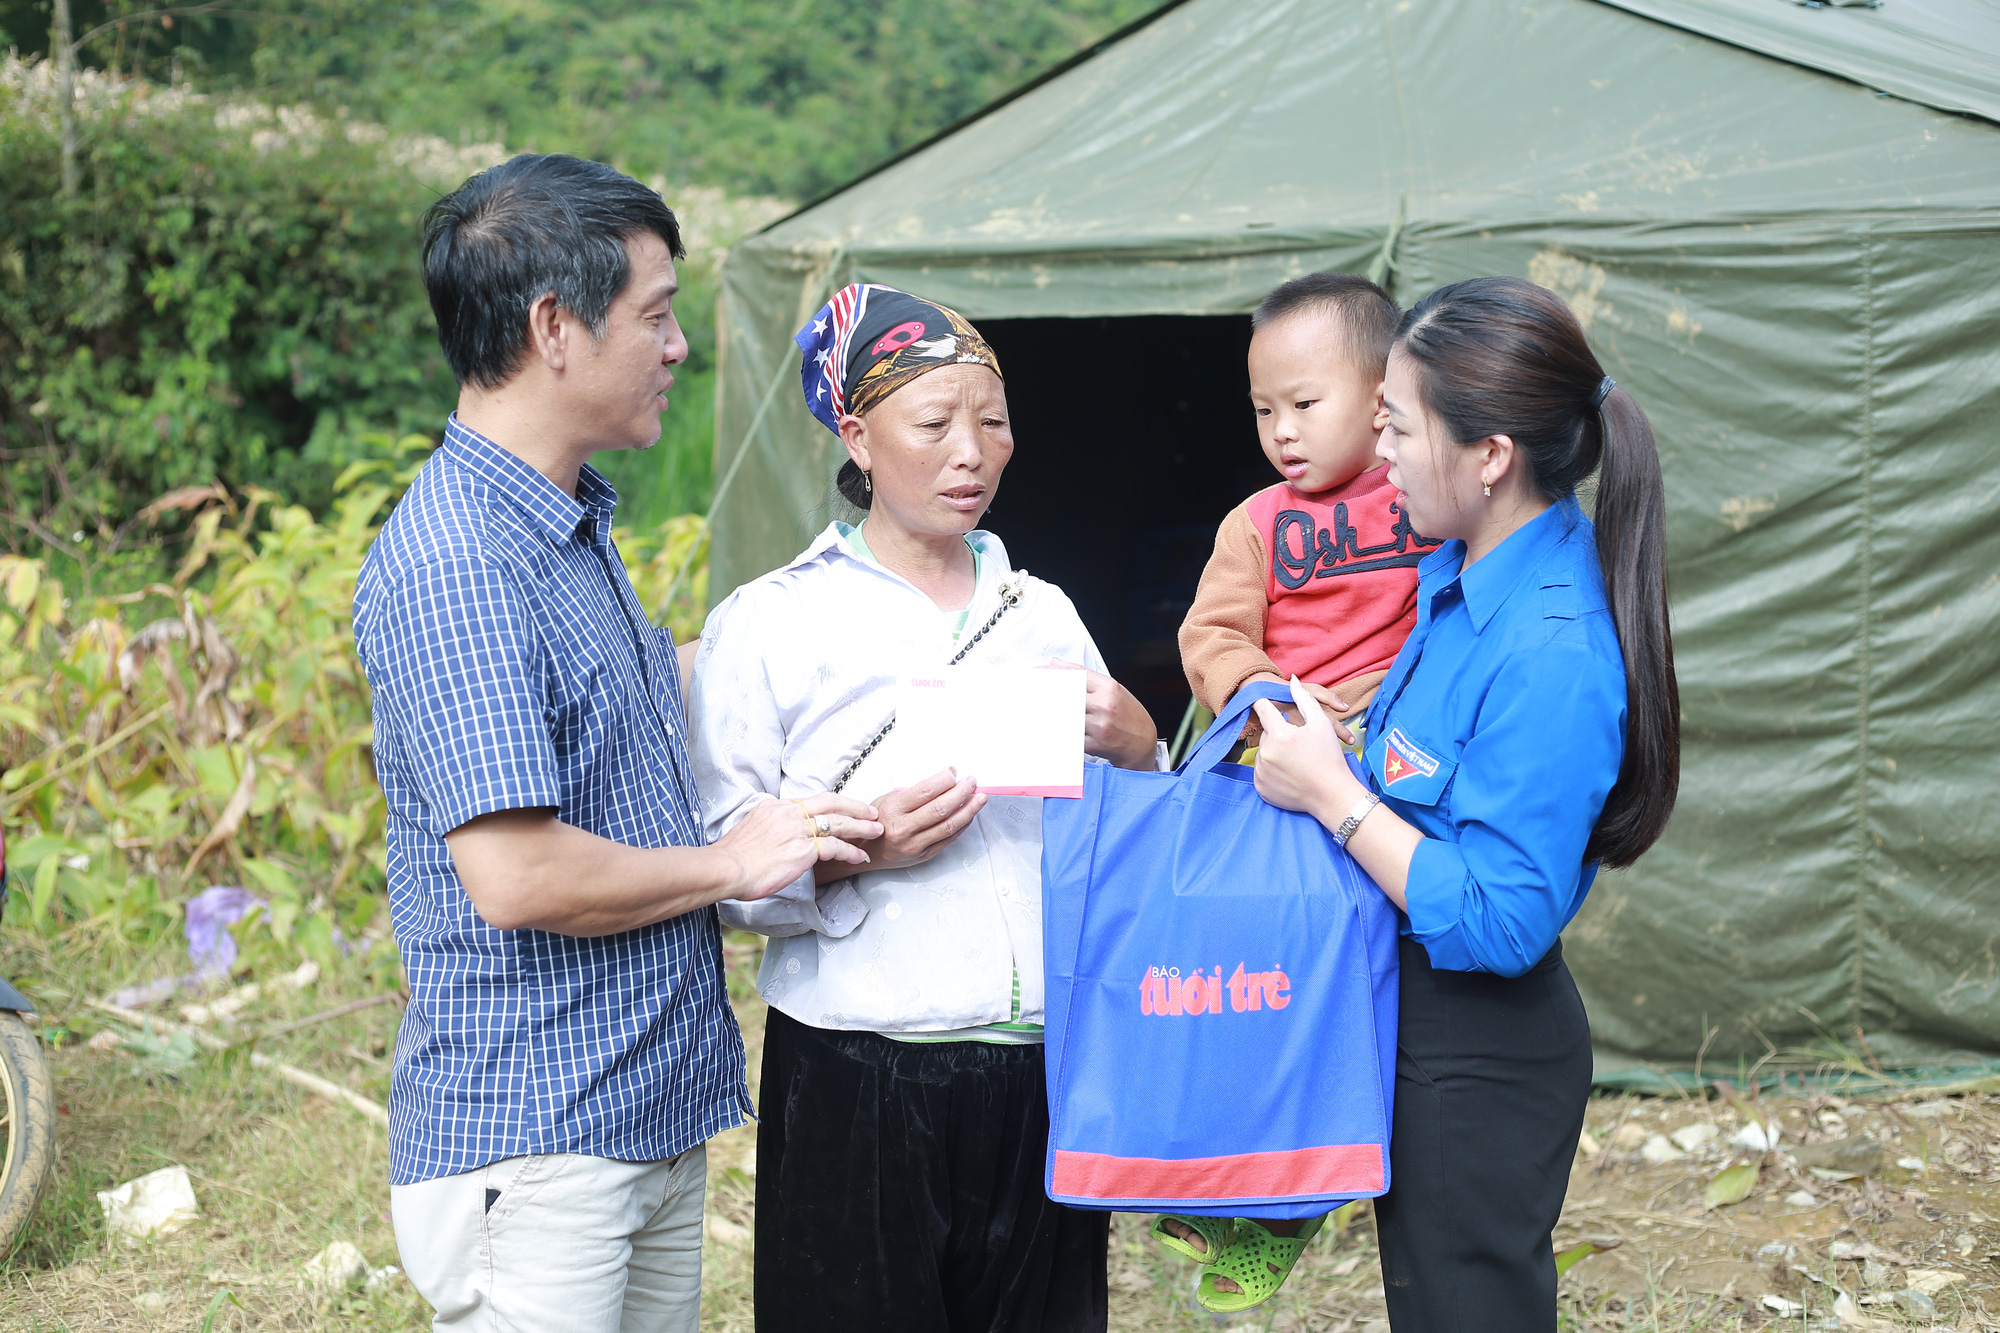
x: 561, y: 1241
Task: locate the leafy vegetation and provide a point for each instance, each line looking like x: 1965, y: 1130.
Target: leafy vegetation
x: 214, y: 727
x: 787, y: 97
x: 231, y: 297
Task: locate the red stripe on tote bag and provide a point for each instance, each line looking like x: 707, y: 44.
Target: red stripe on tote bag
x: 1343, y: 1168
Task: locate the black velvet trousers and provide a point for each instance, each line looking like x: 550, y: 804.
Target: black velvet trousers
x: 899, y: 1187
x: 1492, y: 1074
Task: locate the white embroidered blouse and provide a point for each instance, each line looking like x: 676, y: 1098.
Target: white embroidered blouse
x: 796, y: 672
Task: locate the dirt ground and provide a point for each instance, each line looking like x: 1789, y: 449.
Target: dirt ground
x: 1910, y: 1241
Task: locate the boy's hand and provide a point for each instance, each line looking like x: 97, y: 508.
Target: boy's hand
x: 1327, y: 698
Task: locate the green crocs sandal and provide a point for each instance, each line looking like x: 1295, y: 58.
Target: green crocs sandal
x: 1254, y: 1260
x: 1214, y: 1231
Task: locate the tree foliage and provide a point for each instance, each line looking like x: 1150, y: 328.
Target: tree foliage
x: 233, y: 301
x: 788, y: 97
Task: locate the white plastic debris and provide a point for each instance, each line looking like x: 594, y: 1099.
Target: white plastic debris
x: 1802, y: 1199
x: 1690, y: 1137
x: 153, y: 1205
x: 1779, y: 1305
x: 1910, y: 1163
x: 334, y: 1269
x: 1754, y: 1137
x: 378, y: 1278
x: 1932, y: 1280
x: 1658, y: 1151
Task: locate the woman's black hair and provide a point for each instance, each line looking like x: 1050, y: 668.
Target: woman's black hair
x: 853, y: 486
x: 1499, y: 356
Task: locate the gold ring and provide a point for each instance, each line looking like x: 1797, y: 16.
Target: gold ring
x: 821, y: 827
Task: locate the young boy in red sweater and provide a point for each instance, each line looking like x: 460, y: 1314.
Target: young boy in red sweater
x: 1315, y: 577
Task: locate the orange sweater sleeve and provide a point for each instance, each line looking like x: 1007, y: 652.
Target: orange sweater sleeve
x: 1222, y: 639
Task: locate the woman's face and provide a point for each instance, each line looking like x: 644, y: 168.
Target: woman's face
x: 1439, y: 478
x: 934, y: 450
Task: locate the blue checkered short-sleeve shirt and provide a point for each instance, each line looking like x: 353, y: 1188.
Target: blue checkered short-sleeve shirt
x: 512, y: 666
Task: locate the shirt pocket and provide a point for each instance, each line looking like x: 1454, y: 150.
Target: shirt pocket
x: 1410, y: 769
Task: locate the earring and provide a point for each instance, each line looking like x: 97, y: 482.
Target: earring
x: 1489, y: 489
x: 868, y: 485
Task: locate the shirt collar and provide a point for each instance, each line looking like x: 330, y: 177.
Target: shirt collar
x: 991, y: 550
x: 1487, y: 584
x: 541, y: 499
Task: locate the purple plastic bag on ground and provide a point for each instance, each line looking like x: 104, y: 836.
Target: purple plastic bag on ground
x: 210, y: 914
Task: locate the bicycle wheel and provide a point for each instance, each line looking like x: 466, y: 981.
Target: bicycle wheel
x: 28, y: 1132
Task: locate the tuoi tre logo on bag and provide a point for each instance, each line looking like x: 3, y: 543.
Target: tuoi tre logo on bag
x: 1166, y: 993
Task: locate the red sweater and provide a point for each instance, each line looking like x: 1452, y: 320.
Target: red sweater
x: 1321, y: 586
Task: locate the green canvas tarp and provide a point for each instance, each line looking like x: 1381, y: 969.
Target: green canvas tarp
x: 1779, y: 226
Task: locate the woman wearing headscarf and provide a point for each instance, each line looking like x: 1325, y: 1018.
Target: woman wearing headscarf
x: 904, y: 1121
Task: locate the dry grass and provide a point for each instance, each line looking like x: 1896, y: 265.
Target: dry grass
x: 280, y: 1175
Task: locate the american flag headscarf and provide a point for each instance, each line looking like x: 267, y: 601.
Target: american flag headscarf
x: 871, y: 340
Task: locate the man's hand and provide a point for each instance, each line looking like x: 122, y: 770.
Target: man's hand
x: 779, y: 840
x: 1116, y: 726
x: 526, y: 869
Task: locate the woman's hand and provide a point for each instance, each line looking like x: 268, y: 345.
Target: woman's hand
x: 918, y: 822
x: 1116, y: 726
x: 779, y: 840
x: 1300, y: 765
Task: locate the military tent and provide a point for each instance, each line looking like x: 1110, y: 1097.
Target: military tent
x: 1778, y: 224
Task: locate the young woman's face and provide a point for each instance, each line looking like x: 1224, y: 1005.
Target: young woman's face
x: 1438, y: 478
x: 935, y: 450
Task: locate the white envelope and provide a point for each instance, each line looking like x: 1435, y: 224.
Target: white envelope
x: 1017, y: 730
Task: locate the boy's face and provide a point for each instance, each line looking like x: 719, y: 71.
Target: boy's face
x: 1315, y: 409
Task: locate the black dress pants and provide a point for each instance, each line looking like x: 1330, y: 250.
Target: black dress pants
x: 899, y: 1187
x: 1492, y: 1074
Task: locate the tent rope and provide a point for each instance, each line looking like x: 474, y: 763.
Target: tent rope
x: 785, y: 368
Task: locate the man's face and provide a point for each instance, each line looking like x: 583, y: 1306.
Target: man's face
x: 618, y: 384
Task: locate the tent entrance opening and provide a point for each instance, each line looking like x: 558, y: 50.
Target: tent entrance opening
x: 1133, y: 437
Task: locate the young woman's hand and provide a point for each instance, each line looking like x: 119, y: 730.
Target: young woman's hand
x: 1300, y: 767
x: 1299, y: 764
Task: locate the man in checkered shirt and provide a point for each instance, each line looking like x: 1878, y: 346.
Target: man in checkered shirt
x: 569, y: 1045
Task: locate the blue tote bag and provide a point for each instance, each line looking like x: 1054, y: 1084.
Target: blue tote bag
x: 1221, y: 996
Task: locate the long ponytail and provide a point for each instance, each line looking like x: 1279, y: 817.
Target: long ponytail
x: 1632, y: 549
x: 1499, y: 356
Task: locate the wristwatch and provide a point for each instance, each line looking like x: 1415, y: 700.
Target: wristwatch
x: 1368, y: 801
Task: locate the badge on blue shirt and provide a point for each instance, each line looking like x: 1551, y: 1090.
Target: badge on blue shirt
x: 1408, y: 770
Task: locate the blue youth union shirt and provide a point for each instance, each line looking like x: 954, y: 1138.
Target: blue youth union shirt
x: 512, y: 666
x: 1498, y: 734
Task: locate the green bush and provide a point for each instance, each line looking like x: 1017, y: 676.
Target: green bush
x: 214, y: 727
x: 232, y: 296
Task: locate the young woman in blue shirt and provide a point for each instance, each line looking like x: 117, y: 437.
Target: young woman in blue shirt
x: 1528, y: 733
